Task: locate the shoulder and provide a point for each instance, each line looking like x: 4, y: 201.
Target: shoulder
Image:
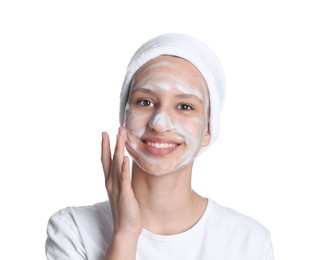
x: 234, y: 220
x: 79, y: 232
x: 238, y: 230
x: 78, y: 215
x: 85, y: 220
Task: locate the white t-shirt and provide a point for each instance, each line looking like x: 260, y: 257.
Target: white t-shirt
x: 221, y: 234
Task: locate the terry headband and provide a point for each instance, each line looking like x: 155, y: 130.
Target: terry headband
x: 190, y: 49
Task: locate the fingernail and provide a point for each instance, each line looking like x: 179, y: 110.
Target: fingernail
x: 119, y: 131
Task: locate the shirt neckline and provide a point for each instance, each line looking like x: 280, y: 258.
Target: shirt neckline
x: 201, y: 222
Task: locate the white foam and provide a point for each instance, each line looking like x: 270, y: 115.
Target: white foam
x: 161, y: 122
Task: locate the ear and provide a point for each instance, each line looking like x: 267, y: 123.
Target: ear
x: 207, y: 137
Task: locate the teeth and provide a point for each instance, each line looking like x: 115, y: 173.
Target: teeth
x: 162, y: 145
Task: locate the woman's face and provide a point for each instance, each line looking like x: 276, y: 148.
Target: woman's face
x: 166, y: 115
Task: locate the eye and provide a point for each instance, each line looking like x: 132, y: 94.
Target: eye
x: 184, y: 107
x: 145, y: 103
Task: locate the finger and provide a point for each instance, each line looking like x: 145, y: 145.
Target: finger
x: 119, y: 152
x: 106, y: 154
x: 125, y: 175
x: 123, y: 133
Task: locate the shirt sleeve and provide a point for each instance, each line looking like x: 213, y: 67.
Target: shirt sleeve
x: 269, y: 250
x: 63, y: 240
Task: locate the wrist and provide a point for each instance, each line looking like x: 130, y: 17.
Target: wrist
x: 123, y: 246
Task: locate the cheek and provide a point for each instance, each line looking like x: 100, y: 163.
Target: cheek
x: 191, y: 129
x: 136, y: 122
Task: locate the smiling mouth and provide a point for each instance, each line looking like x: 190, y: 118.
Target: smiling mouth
x: 161, y: 145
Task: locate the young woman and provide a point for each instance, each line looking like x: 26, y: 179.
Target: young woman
x: 169, y: 112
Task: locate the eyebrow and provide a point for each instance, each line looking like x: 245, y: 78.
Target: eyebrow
x: 145, y: 90
x: 188, y: 96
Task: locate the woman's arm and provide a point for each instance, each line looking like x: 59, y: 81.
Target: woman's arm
x: 124, y: 206
x: 122, y: 247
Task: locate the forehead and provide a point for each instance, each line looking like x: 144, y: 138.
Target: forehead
x: 170, y: 70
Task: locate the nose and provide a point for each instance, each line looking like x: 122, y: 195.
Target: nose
x: 161, y: 122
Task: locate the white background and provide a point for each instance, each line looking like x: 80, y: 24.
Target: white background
x: 62, y: 64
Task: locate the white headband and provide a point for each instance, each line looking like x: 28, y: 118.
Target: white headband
x: 190, y: 49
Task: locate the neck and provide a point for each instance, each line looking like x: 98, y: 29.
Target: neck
x: 168, y: 204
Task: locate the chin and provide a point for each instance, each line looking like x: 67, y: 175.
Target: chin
x: 155, y: 171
